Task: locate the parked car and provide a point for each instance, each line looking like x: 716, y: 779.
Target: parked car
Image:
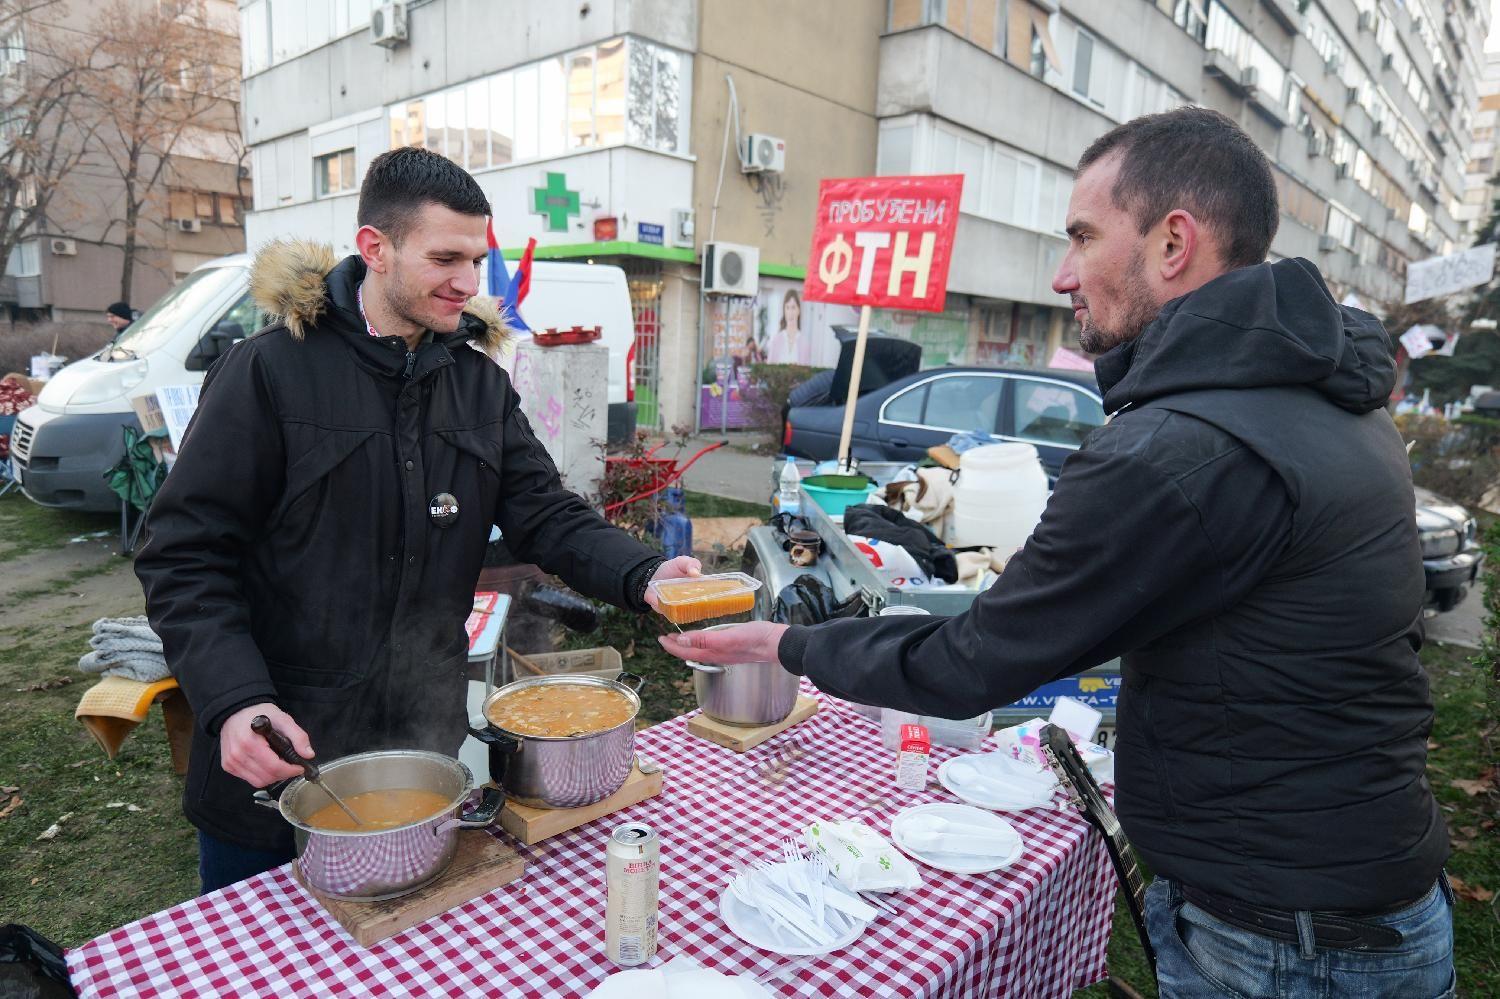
x: 1451, y: 556
x: 1052, y: 410
x: 63, y: 445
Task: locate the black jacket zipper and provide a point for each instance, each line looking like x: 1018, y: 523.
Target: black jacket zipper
x: 411, y: 363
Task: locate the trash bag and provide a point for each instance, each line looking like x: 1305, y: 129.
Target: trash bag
x: 809, y: 600
x: 138, y: 475
x: 567, y: 608
x: 31, y: 966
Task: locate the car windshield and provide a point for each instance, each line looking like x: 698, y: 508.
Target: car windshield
x: 163, y: 319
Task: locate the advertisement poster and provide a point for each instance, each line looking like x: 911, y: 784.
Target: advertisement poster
x: 777, y: 326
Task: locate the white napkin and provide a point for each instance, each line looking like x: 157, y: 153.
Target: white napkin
x: 860, y: 857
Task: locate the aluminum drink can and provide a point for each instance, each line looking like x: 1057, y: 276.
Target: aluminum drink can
x: 633, y: 879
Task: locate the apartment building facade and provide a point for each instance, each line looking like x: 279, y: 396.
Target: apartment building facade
x: 69, y: 268
x: 621, y: 131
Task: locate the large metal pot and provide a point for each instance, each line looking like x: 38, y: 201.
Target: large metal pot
x: 561, y: 771
x: 745, y: 693
x: 367, y: 866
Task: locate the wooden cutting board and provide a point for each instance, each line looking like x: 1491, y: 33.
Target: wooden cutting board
x: 532, y: 825
x: 481, y: 864
x: 740, y: 738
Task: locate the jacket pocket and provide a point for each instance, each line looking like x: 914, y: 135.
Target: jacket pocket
x: 312, y: 467
x: 312, y: 683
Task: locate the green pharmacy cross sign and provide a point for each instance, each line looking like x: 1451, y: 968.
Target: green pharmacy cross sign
x: 555, y: 202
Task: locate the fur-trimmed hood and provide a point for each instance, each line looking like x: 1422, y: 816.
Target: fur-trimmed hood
x: 289, y: 280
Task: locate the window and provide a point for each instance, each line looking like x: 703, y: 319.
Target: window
x: 25, y: 260
x: 334, y: 173
x: 1082, y: 61
x: 610, y: 93
x: 228, y: 209
x: 409, y: 124
x: 581, y: 100
x: 1053, y: 414
x: 906, y: 407
x: 255, y: 37
x: 203, y: 205
x: 893, y: 158
x: 502, y: 120
x: 1341, y: 225
x: 12, y: 53
x: 964, y: 402
x: 477, y: 134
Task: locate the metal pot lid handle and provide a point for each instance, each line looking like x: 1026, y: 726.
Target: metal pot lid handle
x: 270, y: 797
x: 633, y: 681
x: 703, y: 668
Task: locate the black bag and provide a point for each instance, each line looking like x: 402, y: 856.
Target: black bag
x: 809, y: 600
x: 31, y: 966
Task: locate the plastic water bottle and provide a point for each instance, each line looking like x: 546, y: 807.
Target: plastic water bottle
x: 788, y: 496
x: 674, y: 527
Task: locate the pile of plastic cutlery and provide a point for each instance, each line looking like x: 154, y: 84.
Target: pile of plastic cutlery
x: 798, y: 897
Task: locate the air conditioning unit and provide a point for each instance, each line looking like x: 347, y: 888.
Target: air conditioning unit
x: 730, y: 269
x: 63, y: 247
x: 1343, y: 171
x: 189, y: 225
x: 1367, y: 20
x: 1388, y: 60
x: 170, y: 91
x: 1351, y: 94
x: 388, y: 24
x: 1317, y: 144
x: 1250, y: 77
x: 1333, y: 63
x: 1327, y: 244
x: 682, y: 227
x: 764, y: 154
x: 1379, y: 126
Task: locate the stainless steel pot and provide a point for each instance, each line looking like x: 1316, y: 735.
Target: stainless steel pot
x: 745, y: 693
x: 367, y: 866
x: 561, y: 771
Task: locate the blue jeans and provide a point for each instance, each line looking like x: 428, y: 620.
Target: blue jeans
x: 1199, y: 956
x: 221, y: 863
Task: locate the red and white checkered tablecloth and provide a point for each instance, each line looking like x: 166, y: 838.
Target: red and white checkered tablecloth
x: 1038, y: 928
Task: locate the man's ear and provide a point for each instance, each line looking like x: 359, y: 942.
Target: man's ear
x: 375, y: 248
x: 1180, y: 242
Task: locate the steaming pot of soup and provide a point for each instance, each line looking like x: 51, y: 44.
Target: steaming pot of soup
x: 561, y: 741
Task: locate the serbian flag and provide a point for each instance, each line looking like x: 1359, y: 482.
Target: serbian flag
x: 511, y: 291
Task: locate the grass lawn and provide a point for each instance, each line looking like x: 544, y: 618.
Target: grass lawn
x: 26, y: 527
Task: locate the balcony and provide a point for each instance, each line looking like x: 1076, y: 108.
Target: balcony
x: 1285, y: 13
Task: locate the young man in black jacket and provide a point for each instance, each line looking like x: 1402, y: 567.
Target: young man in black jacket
x: 312, y: 557
x: 1242, y: 534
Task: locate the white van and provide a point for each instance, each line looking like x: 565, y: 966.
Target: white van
x: 63, y: 445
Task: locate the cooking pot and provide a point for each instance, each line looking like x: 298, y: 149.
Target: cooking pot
x: 564, y: 771
x: 371, y: 865
x: 744, y: 693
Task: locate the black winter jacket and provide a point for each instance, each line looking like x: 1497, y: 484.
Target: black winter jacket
x: 291, y: 554
x: 1242, y: 533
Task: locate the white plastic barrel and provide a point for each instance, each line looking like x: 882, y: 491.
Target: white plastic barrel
x: 999, y: 497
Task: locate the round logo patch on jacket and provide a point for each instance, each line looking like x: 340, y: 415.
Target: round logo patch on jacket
x: 443, y: 508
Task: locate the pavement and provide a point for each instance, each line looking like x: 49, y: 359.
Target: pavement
x: 1464, y: 624
x: 729, y: 471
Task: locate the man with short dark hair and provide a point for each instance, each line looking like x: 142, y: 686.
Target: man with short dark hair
x: 1241, y: 534
x: 312, y: 557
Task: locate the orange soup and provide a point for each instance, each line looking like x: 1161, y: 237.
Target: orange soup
x: 560, y: 709
x: 683, y: 601
x: 384, y: 809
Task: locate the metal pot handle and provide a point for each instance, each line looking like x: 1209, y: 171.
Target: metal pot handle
x: 270, y: 797
x: 633, y: 681
x: 704, y: 667
x: 481, y: 815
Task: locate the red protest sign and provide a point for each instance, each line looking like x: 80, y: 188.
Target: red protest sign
x: 884, y: 241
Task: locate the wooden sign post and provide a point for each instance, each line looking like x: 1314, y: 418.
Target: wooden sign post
x: 899, y: 228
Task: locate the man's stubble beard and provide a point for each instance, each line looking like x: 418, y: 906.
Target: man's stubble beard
x: 1140, y: 309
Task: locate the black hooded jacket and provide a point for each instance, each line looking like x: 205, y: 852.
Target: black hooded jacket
x: 1242, y: 534
x: 292, y: 556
